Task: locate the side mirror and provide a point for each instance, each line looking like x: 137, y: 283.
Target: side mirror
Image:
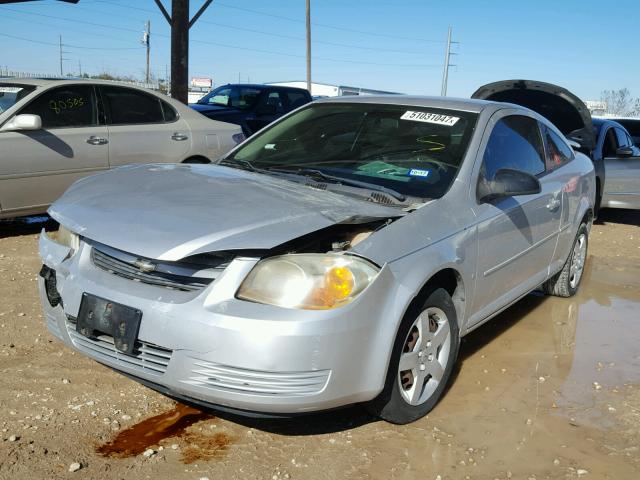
x: 22, y: 123
x: 267, y: 109
x: 508, y: 183
x: 624, y: 152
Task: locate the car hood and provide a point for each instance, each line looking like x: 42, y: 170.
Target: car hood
x: 557, y: 104
x: 168, y: 212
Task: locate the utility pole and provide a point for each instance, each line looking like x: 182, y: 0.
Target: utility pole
x: 79, y: 68
x: 60, y: 48
x: 309, y: 45
x: 180, y: 25
x: 447, y: 64
x: 146, y: 40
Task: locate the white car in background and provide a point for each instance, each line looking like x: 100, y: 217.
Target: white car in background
x: 53, y: 132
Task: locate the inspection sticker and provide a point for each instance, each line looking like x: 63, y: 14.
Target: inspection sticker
x: 416, y: 172
x: 427, y: 117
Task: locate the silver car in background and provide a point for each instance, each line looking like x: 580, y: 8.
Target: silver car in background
x: 336, y: 257
x: 53, y: 132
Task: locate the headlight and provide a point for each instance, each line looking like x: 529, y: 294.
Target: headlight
x: 311, y: 281
x: 66, y: 237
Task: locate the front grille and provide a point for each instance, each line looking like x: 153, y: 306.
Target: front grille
x: 122, y: 264
x: 240, y: 380
x: 146, y: 358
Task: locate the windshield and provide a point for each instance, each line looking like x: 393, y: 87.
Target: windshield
x: 242, y: 98
x: 412, y: 150
x: 11, y: 93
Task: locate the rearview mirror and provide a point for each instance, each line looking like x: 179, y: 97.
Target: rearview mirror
x: 624, y: 152
x: 508, y: 182
x: 22, y: 123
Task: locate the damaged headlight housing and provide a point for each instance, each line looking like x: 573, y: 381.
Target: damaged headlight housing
x: 66, y: 237
x: 310, y: 281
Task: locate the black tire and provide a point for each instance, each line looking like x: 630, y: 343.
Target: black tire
x: 563, y: 284
x: 391, y: 405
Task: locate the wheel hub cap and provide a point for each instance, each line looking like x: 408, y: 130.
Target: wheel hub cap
x: 424, y: 356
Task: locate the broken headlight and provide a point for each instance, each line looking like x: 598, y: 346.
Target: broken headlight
x: 311, y: 281
x: 66, y: 237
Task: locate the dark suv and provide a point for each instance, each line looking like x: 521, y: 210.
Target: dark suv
x: 250, y: 106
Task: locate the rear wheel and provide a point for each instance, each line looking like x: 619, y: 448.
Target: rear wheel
x: 566, y: 282
x: 423, y: 358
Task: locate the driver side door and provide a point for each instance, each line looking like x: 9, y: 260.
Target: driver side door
x: 622, y: 172
x: 517, y: 235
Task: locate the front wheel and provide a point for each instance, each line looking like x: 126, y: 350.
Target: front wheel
x: 565, y: 283
x: 423, y: 357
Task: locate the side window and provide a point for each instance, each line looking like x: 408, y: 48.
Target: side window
x: 170, y: 115
x: 128, y: 106
x: 558, y: 152
x: 63, y: 107
x: 514, y: 143
x: 610, y: 143
x: 273, y: 98
x: 296, y: 99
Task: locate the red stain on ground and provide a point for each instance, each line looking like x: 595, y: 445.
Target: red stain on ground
x: 139, y: 437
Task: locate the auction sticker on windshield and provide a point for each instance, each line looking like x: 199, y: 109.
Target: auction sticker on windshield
x: 427, y: 117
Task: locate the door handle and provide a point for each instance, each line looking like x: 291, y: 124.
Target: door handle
x: 553, y: 204
x: 93, y: 140
x: 179, y: 137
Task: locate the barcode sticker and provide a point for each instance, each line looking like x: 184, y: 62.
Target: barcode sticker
x: 427, y: 117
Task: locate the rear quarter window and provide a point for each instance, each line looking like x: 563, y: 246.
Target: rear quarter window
x: 558, y: 152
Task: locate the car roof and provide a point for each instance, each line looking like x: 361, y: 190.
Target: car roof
x: 599, y: 122
x: 261, y: 86
x: 623, y: 119
x: 48, y: 82
x: 451, y: 103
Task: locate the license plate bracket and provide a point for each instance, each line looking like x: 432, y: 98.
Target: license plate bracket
x: 101, y: 316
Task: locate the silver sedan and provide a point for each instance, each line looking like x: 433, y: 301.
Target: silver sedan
x: 54, y: 132
x: 336, y: 257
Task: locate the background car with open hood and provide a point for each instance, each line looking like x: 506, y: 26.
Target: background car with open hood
x: 616, y: 159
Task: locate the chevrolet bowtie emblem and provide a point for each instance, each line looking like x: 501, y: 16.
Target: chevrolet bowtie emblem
x: 144, y: 266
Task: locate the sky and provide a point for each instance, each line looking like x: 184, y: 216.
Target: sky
x: 388, y: 45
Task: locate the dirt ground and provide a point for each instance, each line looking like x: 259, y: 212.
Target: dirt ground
x: 550, y: 389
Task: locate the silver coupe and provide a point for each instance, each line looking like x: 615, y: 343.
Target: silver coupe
x: 336, y: 257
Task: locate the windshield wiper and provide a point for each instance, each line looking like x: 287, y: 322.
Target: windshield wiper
x: 319, y: 175
x: 241, y: 164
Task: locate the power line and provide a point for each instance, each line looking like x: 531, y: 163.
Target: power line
x: 35, y: 22
x: 297, y: 20
x: 66, y: 45
x: 277, y: 35
x: 271, y: 52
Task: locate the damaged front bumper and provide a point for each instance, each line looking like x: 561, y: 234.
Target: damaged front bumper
x: 216, y: 350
